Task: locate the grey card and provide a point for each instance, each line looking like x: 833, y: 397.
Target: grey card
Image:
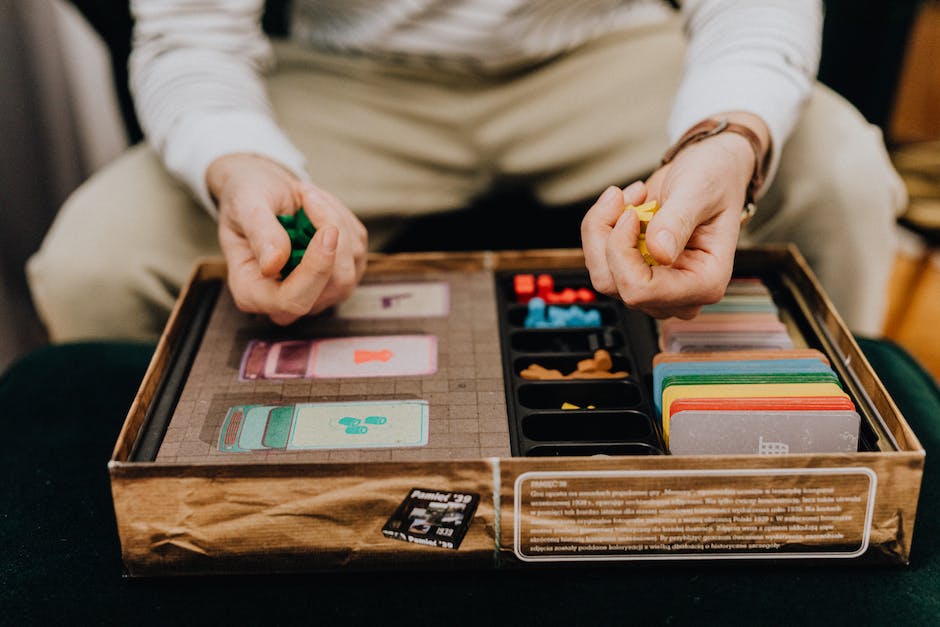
x: 763, y: 432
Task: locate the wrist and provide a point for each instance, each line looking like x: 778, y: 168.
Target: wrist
x: 743, y: 135
x: 740, y: 155
x: 756, y: 125
x: 228, y: 169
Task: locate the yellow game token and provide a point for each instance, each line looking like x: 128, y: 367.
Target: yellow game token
x: 645, y: 213
x: 647, y: 257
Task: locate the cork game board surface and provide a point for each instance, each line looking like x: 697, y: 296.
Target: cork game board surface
x: 465, y: 395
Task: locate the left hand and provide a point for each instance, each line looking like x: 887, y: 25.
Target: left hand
x: 693, y: 235
x: 251, y: 190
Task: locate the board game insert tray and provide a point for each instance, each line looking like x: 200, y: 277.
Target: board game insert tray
x: 184, y: 506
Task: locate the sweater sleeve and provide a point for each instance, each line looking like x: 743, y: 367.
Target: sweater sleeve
x: 196, y: 75
x: 748, y: 55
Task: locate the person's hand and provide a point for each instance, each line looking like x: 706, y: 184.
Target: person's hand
x: 252, y: 190
x: 693, y: 235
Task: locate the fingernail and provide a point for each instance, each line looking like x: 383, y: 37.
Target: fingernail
x: 667, y: 242
x: 609, y: 194
x: 632, y: 187
x: 330, y: 238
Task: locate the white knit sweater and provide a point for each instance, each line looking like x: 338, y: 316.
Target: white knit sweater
x: 196, y: 66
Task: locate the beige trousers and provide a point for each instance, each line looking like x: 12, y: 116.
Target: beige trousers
x: 392, y: 141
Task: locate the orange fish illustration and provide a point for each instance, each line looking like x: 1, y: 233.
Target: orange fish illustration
x: 361, y: 357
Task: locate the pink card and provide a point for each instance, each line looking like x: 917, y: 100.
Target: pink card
x: 430, y: 299
x: 374, y: 356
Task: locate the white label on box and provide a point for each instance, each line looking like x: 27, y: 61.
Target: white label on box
x: 693, y: 514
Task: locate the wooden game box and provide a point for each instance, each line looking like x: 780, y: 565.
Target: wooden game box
x: 495, y: 473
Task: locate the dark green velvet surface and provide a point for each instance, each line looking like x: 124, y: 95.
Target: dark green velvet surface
x: 62, y: 408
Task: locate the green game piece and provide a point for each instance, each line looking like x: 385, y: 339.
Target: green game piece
x: 349, y: 421
x: 292, y: 262
x: 300, y: 231
x: 303, y: 223
x: 300, y: 240
x: 376, y: 420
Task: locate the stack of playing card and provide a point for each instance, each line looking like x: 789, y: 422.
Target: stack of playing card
x: 745, y: 319
x: 731, y: 383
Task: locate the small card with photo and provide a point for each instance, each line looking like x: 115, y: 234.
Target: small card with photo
x: 437, y: 518
x: 376, y: 301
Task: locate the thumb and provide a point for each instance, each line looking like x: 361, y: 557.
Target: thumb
x: 672, y: 226
x: 267, y: 238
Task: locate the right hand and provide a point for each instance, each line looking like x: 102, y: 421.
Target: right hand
x: 250, y: 191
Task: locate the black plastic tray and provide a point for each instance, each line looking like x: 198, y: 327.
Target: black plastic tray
x: 623, y: 421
